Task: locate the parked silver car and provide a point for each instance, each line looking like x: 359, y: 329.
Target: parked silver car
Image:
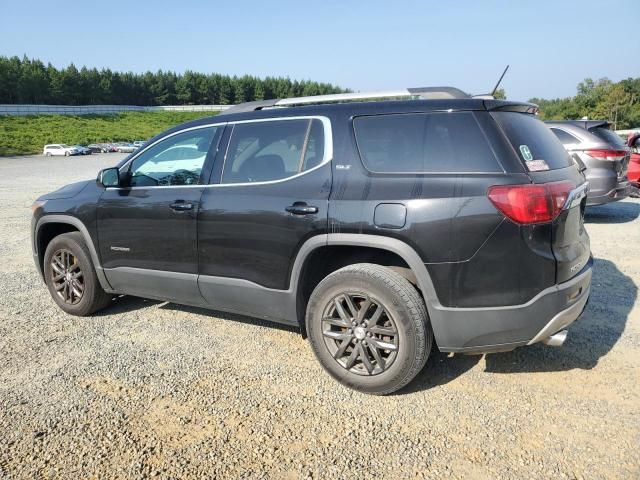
x: 600, y: 153
x: 123, y: 147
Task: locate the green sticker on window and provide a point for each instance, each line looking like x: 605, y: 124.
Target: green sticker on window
x: 526, y: 153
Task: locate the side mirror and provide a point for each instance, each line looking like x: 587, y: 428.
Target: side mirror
x: 109, y: 177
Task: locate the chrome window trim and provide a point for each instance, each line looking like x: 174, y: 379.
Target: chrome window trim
x: 327, y: 157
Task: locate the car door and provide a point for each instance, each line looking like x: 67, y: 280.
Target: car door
x: 269, y: 195
x: 147, y: 228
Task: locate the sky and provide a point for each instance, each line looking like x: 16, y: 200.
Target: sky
x: 362, y: 45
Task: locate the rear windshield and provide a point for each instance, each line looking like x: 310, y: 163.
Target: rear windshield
x: 608, y: 136
x: 424, y: 143
x: 533, y: 140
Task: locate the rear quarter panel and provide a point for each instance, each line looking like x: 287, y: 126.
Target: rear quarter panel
x: 474, y: 256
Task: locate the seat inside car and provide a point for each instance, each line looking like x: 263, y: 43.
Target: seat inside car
x: 261, y: 169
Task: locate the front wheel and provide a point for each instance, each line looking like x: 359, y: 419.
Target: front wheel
x: 71, y: 276
x: 66, y: 154
x: 368, y: 327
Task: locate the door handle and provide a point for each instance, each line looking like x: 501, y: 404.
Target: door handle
x: 180, y: 206
x: 301, y: 208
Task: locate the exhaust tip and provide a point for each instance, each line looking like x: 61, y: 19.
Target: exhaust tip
x: 556, y: 340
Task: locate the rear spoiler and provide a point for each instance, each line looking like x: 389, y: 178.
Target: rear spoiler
x: 507, y: 106
x: 586, y: 124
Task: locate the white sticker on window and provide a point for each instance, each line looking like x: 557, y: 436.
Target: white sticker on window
x: 537, y: 165
x: 526, y: 153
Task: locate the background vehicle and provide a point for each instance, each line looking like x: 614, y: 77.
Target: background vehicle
x: 600, y: 153
x: 376, y: 227
x: 633, y: 142
x: 125, y: 147
x: 82, y: 150
x: 59, y: 149
x: 97, y: 148
x: 139, y: 143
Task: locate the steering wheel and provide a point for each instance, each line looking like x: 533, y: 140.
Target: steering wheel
x: 184, y: 177
x: 148, y: 180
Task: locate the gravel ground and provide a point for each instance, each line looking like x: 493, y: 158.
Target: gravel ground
x: 157, y: 389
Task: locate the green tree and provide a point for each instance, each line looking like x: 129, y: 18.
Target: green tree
x: 500, y: 94
x: 29, y: 81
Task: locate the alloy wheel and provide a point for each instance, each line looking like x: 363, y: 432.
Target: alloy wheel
x: 360, y: 333
x: 67, y: 277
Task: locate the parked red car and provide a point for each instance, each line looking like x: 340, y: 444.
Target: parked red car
x: 633, y: 174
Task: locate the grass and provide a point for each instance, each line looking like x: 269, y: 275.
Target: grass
x: 20, y: 135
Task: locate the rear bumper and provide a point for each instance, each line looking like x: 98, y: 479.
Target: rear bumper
x: 620, y: 191
x: 495, y: 329
x: 605, y: 186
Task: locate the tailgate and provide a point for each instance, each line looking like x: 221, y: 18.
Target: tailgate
x: 569, y: 238
x: 546, y: 160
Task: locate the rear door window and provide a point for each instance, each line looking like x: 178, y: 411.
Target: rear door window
x: 532, y: 140
x: 273, y: 150
x: 424, y: 143
x: 564, y: 137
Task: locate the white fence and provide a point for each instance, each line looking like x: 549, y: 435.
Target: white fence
x: 102, y: 109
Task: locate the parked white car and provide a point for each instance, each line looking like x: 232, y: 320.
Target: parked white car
x: 59, y: 149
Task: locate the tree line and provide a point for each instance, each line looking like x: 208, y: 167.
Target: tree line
x: 30, y: 81
x: 598, y: 100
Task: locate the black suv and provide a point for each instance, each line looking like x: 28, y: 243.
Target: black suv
x: 377, y: 227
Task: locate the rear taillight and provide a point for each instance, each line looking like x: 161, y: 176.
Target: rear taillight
x: 611, y: 155
x: 527, y: 204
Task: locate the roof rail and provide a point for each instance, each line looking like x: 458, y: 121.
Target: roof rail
x: 425, y: 93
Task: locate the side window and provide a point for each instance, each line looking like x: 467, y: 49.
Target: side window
x: 564, y: 137
x: 424, y: 143
x: 178, y: 160
x: 273, y: 150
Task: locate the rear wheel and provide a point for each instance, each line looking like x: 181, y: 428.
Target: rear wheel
x: 71, y: 276
x: 369, y: 328
x: 48, y: 154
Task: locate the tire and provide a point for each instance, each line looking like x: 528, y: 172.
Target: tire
x: 334, y: 343
x: 70, y: 249
x: 66, y: 154
x: 635, y: 192
x: 48, y: 154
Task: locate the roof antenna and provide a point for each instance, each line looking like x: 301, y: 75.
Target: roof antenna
x: 500, y: 80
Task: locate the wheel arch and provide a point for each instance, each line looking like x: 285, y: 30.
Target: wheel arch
x: 412, y: 268
x: 50, y: 226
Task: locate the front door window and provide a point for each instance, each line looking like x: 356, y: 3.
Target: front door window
x: 178, y: 160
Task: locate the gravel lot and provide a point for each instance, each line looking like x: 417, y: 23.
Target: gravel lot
x: 148, y: 388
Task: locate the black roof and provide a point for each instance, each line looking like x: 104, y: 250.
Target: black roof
x: 369, y: 108
x: 357, y: 109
